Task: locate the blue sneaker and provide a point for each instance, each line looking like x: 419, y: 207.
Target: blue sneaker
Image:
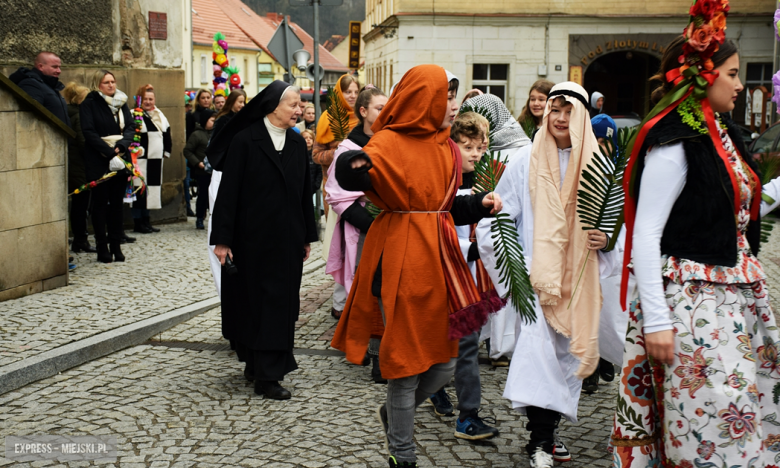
x: 474, y: 428
x: 72, y: 266
x: 442, y: 404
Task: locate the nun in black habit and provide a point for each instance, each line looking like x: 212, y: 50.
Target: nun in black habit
x: 264, y: 221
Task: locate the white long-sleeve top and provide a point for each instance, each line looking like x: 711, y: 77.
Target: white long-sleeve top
x: 663, y: 179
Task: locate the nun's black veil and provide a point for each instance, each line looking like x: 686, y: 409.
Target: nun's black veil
x: 260, y: 106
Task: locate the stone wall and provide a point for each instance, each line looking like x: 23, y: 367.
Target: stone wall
x: 33, y: 202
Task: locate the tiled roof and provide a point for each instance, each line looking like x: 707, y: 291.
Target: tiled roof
x: 208, y: 19
x: 333, y: 42
x: 252, y: 24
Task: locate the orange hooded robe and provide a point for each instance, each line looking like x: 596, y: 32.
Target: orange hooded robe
x: 412, y: 167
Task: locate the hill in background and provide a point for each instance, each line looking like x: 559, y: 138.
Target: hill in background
x: 333, y: 20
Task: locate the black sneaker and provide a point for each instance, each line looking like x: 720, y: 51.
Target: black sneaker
x: 560, y: 451
x: 394, y: 463
x: 591, y: 384
x: 442, y: 404
x: 474, y: 428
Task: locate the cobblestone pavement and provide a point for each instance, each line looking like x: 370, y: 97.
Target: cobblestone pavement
x: 181, y: 399
x: 163, y: 271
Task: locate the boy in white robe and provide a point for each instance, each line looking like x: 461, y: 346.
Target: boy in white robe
x: 545, y: 375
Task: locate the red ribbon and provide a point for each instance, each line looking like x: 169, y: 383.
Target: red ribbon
x: 630, y: 204
x: 674, y: 76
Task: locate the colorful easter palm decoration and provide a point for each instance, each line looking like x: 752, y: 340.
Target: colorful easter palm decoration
x: 226, y: 78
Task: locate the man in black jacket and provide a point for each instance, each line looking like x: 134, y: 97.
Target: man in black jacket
x: 42, y: 83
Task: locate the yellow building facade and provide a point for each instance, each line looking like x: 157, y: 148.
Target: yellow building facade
x: 504, y: 46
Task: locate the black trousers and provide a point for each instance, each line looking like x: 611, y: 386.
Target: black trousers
x: 79, y: 205
x: 541, y: 424
x: 202, y: 204
x: 268, y: 365
x: 107, y: 209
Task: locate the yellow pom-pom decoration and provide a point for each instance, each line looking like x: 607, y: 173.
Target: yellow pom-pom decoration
x: 221, y: 60
x: 219, y: 92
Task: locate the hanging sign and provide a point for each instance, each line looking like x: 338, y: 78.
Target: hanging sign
x: 354, y: 44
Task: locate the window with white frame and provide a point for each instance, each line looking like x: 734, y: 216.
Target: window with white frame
x: 204, y: 72
x: 245, y: 72
x: 265, y: 74
x: 491, y: 78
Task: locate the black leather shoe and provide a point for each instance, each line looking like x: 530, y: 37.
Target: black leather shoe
x: 103, y: 255
x: 126, y: 239
x: 140, y: 227
x: 116, y: 251
x: 82, y: 246
x: 148, y: 223
x: 190, y: 213
x: 272, y: 390
x: 249, y: 373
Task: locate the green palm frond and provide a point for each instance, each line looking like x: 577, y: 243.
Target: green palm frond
x: 529, y: 127
x: 488, y: 171
x: 768, y: 167
x: 510, y: 261
x: 373, y: 210
x: 339, y: 116
x: 600, y: 200
x: 512, y: 270
x: 484, y: 112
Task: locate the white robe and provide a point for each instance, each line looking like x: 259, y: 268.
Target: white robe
x: 216, y: 267
x: 541, y: 373
x: 500, y: 327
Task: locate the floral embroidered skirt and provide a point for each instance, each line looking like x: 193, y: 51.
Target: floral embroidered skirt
x: 717, y: 404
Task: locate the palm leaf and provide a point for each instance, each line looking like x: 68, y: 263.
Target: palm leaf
x: 768, y: 167
x: 600, y: 200
x: 510, y: 260
x: 373, y: 210
x: 529, y: 127
x: 339, y: 116
x: 488, y: 171
x: 512, y: 270
x: 484, y: 112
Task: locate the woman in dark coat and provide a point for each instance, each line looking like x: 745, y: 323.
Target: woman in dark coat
x: 235, y: 102
x: 263, y: 220
x: 74, y: 94
x: 108, y: 129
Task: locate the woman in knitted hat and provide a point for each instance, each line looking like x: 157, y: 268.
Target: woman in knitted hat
x: 560, y: 348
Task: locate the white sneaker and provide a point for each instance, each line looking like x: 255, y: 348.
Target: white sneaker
x: 560, y: 451
x: 541, y: 459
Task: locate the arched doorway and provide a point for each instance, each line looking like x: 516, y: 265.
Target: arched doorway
x: 622, y: 77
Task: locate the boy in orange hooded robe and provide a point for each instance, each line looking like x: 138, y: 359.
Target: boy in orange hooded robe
x: 407, y: 170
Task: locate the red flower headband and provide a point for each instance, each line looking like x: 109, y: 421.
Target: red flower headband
x: 704, y: 34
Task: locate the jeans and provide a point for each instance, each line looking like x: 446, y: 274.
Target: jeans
x: 187, y: 196
x: 79, y: 205
x: 339, y: 297
x: 541, y: 424
x: 107, y: 210
x: 467, y: 385
x: 403, y: 397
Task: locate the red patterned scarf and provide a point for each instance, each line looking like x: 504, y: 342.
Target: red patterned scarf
x: 468, y: 308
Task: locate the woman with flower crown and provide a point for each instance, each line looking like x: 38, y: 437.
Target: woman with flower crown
x: 701, y: 368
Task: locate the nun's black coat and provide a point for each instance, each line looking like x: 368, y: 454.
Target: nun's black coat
x: 264, y: 213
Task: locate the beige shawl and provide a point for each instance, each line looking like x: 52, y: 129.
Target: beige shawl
x: 560, y: 244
